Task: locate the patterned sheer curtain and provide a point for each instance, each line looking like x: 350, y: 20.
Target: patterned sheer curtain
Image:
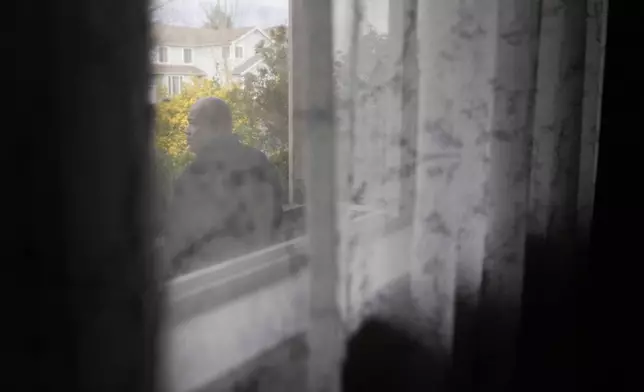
x: 450, y: 156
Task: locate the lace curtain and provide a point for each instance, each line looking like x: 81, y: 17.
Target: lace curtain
x: 466, y: 133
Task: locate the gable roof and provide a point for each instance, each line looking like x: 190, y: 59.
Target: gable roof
x: 247, y: 65
x: 192, y: 36
x: 177, y: 70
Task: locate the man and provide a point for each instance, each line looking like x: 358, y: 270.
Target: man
x: 227, y: 202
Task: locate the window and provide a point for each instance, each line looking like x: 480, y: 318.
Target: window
x: 152, y: 89
x: 379, y: 146
x: 174, y: 84
x: 187, y: 55
x: 162, y: 56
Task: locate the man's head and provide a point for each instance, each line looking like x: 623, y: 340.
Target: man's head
x: 208, y: 118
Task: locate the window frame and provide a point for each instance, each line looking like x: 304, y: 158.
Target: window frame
x: 171, y: 90
x: 167, y: 54
x: 302, y: 66
x: 188, y: 50
x: 313, y: 253
x: 240, y: 50
x: 394, y: 222
x: 211, y: 287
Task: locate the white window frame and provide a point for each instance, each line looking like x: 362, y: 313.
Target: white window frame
x: 317, y: 158
x: 192, y: 53
x: 315, y: 252
x: 317, y: 191
x: 167, y: 54
x: 171, y: 90
x: 241, y: 52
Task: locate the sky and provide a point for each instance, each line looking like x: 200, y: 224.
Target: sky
x: 266, y: 13
x: 262, y: 13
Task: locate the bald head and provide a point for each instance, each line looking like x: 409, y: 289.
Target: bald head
x: 209, y: 117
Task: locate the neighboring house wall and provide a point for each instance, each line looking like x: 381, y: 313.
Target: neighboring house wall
x: 248, y: 44
x: 175, y: 55
x: 207, y: 58
x: 254, y: 70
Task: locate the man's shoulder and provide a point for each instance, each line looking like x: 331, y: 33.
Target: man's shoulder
x: 255, y: 156
x: 253, y: 151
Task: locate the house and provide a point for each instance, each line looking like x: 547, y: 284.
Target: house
x: 251, y: 65
x: 181, y: 53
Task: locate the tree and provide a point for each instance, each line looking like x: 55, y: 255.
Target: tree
x: 269, y: 88
x: 156, y: 7
x: 172, y: 120
x: 267, y: 97
x: 364, y: 79
x: 373, y: 69
x: 220, y: 15
x: 259, y: 107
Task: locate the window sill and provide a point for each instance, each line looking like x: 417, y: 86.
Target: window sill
x: 206, y: 289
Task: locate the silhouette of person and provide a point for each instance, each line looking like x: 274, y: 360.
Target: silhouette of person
x: 228, y: 200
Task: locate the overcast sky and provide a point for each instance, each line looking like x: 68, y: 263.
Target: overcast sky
x: 264, y: 13
x: 260, y: 13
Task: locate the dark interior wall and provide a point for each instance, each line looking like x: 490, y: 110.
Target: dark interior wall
x: 86, y: 309
x: 580, y: 335
x: 612, y: 295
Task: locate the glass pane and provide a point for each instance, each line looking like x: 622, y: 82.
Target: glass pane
x: 176, y: 85
x: 163, y: 54
x: 229, y: 236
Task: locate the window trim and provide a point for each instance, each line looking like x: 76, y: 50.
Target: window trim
x: 187, y: 288
x: 170, y: 87
x: 167, y: 55
x: 241, y: 50
x: 209, y: 288
x: 192, y: 59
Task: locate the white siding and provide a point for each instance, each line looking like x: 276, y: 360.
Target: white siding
x: 175, y: 55
x: 208, y: 58
x: 249, y: 43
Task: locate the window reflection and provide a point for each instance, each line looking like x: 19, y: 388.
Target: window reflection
x: 231, y: 156
x: 223, y: 167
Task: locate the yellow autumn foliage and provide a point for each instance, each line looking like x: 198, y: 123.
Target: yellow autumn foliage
x: 259, y: 108
x: 172, y: 119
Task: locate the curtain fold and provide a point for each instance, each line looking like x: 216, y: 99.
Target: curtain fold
x: 477, y: 76
x: 471, y: 127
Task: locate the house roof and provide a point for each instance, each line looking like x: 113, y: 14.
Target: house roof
x: 191, y: 36
x: 247, y: 65
x: 178, y: 70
